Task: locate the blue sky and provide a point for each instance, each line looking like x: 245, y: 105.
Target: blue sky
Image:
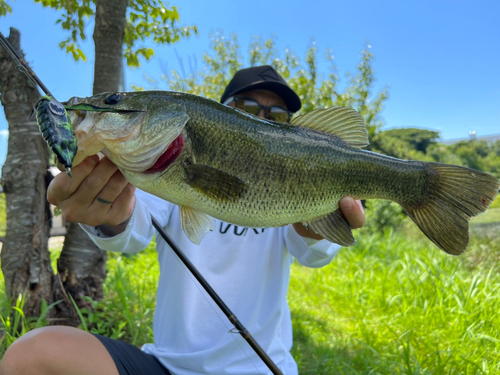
x: 440, y: 58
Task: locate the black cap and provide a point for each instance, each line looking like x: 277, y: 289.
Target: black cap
x: 262, y: 77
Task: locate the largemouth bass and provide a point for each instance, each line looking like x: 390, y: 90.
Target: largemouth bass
x: 215, y: 161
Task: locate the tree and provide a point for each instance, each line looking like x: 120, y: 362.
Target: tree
x: 315, y: 89
x: 119, y: 26
x: 82, y: 265
x: 25, y: 257
x: 405, y: 143
x: 478, y: 154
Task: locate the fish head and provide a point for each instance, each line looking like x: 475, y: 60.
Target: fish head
x: 138, y: 131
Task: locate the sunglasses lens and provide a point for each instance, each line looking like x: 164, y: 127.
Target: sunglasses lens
x: 274, y: 113
x: 278, y: 114
x: 248, y: 105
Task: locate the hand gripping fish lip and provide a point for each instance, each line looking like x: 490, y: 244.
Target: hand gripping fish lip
x: 168, y: 157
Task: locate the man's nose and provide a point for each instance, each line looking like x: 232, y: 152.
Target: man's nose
x: 262, y: 113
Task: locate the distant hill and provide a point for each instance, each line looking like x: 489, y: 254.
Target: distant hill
x: 487, y: 138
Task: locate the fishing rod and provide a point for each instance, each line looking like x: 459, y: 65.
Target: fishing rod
x: 229, y: 314
x: 23, y: 65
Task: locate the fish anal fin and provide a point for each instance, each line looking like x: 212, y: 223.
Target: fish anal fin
x: 444, y: 226
x: 345, y: 123
x: 195, y: 224
x: 333, y: 227
x: 214, y: 183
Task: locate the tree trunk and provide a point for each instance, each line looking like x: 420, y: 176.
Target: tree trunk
x: 82, y: 270
x: 82, y: 265
x: 110, y: 21
x: 25, y: 256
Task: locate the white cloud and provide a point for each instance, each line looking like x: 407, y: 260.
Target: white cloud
x: 4, y: 133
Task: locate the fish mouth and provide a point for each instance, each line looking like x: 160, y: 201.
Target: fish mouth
x: 172, y: 152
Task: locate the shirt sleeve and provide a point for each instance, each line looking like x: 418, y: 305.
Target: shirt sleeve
x: 139, y: 231
x: 308, y: 251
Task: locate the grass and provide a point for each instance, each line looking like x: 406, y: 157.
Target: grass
x: 496, y: 202
x: 492, y: 215
x: 392, y: 304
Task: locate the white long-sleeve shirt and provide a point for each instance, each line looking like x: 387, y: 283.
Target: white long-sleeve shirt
x: 249, y: 269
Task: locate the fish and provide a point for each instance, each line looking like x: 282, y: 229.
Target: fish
x: 215, y: 161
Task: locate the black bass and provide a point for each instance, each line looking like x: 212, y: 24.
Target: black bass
x: 216, y: 161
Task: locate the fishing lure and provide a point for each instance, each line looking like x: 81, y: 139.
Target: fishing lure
x: 51, y: 115
x: 57, y: 130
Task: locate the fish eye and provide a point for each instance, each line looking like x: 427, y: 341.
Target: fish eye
x: 113, y: 99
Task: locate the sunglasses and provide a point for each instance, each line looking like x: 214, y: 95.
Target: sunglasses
x: 272, y: 112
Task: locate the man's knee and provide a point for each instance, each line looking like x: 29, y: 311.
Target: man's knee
x: 36, y: 352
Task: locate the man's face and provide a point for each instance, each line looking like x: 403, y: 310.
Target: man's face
x: 263, y: 97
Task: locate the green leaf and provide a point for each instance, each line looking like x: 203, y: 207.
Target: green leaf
x: 73, y: 16
x: 4, y: 8
x: 73, y: 49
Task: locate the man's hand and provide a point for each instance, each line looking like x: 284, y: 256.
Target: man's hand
x: 98, y: 194
x: 352, y: 210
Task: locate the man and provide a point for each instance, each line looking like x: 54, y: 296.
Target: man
x: 249, y: 268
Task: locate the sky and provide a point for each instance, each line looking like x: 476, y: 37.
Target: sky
x: 439, y: 58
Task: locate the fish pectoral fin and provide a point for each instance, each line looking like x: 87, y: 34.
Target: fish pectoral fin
x: 195, y: 224
x: 335, y: 228
x: 345, y: 123
x: 214, y: 183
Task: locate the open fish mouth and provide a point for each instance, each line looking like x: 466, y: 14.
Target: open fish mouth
x: 173, y: 150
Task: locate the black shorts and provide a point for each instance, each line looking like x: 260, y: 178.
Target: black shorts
x: 130, y: 360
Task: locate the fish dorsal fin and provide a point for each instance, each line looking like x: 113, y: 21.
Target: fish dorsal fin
x: 195, y: 224
x: 345, y: 123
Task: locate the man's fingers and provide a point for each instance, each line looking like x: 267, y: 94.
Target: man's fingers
x: 91, y: 187
x: 353, y: 211
x: 123, y: 206
x: 63, y: 186
x: 98, y: 193
x: 112, y: 189
x: 120, y: 205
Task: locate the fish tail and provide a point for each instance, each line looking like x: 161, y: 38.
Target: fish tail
x: 456, y: 195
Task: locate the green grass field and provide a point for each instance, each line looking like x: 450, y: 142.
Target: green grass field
x: 396, y: 306
x: 392, y: 304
